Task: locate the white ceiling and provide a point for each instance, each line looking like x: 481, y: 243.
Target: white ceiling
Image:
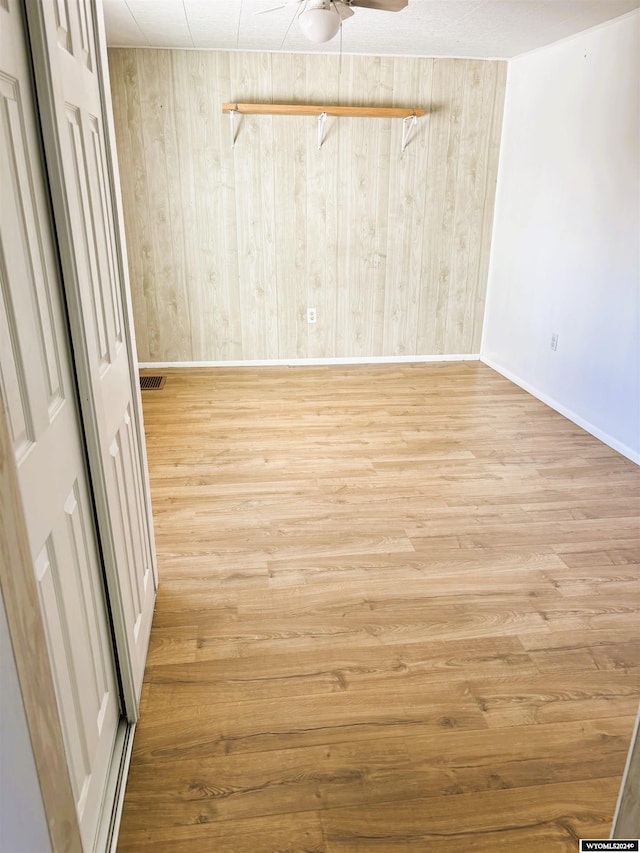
x: 497, y: 29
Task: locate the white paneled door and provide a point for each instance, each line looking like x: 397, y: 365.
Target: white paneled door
x: 69, y: 60
x: 69, y: 386
x: 37, y: 384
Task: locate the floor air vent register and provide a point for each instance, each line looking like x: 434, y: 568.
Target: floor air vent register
x: 152, y: 383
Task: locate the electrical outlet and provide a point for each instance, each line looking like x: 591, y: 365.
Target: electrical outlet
x: 312, y: 317
x: 554, y: 341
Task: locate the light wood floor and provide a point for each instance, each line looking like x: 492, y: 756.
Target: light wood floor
x: 398, y: 611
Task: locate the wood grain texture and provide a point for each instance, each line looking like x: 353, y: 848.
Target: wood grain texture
x: 309, y: 110
x: 229, y: 246
x: 398, y: 611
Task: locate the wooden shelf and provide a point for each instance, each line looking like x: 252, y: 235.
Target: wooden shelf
x: 308, y: 110
x: 409, y: 116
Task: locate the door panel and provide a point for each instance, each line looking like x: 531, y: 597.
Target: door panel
x: 67, y: 66
x: 37, y: 385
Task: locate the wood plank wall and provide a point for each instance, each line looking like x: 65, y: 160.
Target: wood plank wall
x: 229, y: 247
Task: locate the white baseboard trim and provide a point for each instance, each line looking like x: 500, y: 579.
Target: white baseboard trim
x: 311, y: 362
x: 607, y: 439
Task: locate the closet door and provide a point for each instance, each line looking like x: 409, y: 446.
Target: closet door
x: 69, y: 62
x: 37, y: 386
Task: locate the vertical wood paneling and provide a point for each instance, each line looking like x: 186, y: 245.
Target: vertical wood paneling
x: 493, y: 106
x: 228, y: 331
x: 173, y: 114
x: 207, y: 162
x: 255, y: 211
x: 448, y: 91
x: 320, y: 288
x: 289, y: 207
x: 228, y: 247
x: 159, y: 126
x: 126, y: 106
x: 187, y: 103
x: 368, y: 187
x: 463, y: 218
x: 408, y: 178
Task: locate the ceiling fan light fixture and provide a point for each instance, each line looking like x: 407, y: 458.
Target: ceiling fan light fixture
x: 319, y: 23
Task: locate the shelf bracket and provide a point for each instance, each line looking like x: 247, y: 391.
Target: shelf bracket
x: 322, y: 120
x: 408, y: 125
x: 232, y: 127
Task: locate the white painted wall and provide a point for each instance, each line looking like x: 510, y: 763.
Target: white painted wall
x: 23, y: 827
x: 566, y: 242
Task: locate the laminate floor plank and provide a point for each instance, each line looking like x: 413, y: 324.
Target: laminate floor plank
x: 297, y: 832
x: 396, y: 769
x: 398, y: 610
x: 552, y: 818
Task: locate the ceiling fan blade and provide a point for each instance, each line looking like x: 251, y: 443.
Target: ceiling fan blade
x: 382, y: 5
x: 343, y: 10
x: 271, y: 9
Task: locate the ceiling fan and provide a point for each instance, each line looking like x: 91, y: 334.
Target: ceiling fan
x: 320, y: 20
